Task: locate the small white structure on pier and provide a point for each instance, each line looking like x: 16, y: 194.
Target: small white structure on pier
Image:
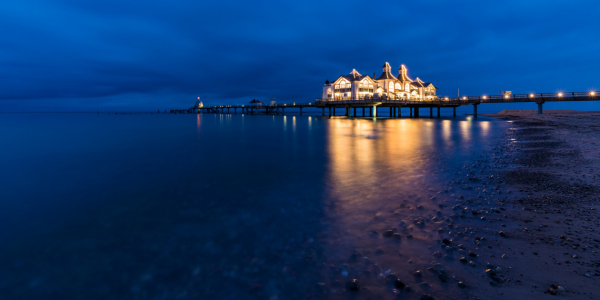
x: 357, y: 87
x: 255, y: 102
x: 198, y: 103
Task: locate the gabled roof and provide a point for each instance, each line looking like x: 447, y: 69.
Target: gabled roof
x: 420, y: 83
x: 387, y: 73
x: 402, y: 74
x: 354, y: 76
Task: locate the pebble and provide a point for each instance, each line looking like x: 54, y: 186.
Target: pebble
x: 462, y: 285
x: 399, y: 284
x: 391, y: 278
x: 353, y: 285
x: 417, y: 274
x: 427, y: 297
x: 472, y: 254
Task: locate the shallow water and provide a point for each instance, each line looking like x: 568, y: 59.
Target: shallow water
x: 147, y: 206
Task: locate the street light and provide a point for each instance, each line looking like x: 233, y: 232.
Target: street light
x: 592, y: 93
x: 560, y: 94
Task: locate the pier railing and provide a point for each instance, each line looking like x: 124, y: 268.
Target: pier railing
x: 465, y: 100
x: 283, y: 105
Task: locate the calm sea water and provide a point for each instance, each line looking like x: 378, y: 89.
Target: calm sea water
x: 147, y: 206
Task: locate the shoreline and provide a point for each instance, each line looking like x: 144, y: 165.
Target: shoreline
x: 551, y: 163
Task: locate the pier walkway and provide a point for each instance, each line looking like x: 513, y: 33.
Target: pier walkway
x: 369, y: 107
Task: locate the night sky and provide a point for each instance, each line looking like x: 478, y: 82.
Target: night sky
x: 156, y: 54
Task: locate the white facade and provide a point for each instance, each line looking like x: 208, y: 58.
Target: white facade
x: 358, y: 87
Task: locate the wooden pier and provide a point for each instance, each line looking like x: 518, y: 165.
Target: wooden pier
x: 370, y: 107
x: 247, y: 109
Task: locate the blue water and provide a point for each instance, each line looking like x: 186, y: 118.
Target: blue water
x: 159, y: 206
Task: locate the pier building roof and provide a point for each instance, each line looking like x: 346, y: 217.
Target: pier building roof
x: 387, y: 73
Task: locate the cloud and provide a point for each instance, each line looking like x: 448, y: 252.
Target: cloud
x: 228, y: 51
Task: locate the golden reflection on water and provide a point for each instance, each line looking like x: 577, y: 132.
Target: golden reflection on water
x: 198, y: 122
x: 358, y: 148
x: 379, y: 172
x: 485, y: 128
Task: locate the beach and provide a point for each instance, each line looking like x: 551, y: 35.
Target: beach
x: 547, y: 166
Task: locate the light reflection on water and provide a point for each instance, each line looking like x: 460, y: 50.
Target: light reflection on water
x: 387, y: 175
x: 219, y: 206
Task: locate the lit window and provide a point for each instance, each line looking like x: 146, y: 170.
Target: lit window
x: 391, y: 87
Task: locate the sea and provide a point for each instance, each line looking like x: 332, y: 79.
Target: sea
x: 232, y: 206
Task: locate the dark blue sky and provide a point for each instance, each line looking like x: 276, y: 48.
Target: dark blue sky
x: 66, y: 55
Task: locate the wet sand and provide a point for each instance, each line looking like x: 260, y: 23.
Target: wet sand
x: 550, y: 163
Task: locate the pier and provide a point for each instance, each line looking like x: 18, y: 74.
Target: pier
x: 271, y: 109
x: 370, y: 107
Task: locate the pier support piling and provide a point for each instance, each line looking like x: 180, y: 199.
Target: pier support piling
x: 323, y: 114
x: 431, y: 112
x: 363, y: 112
x: 374, y: 109
x: 391, y: 112
x: 354, y: 113
x: 540, y: 109
x: 438, y: 112
x: 454, y: 111
x: 475, y: 110
x: 300, y: 110
x: 411, y: 112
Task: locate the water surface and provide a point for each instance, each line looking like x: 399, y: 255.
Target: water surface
x: 148, y: 206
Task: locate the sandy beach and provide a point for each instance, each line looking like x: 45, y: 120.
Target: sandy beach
x: 547, y: 169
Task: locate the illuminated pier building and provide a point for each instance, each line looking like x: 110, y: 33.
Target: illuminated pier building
x: 359, y: 87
